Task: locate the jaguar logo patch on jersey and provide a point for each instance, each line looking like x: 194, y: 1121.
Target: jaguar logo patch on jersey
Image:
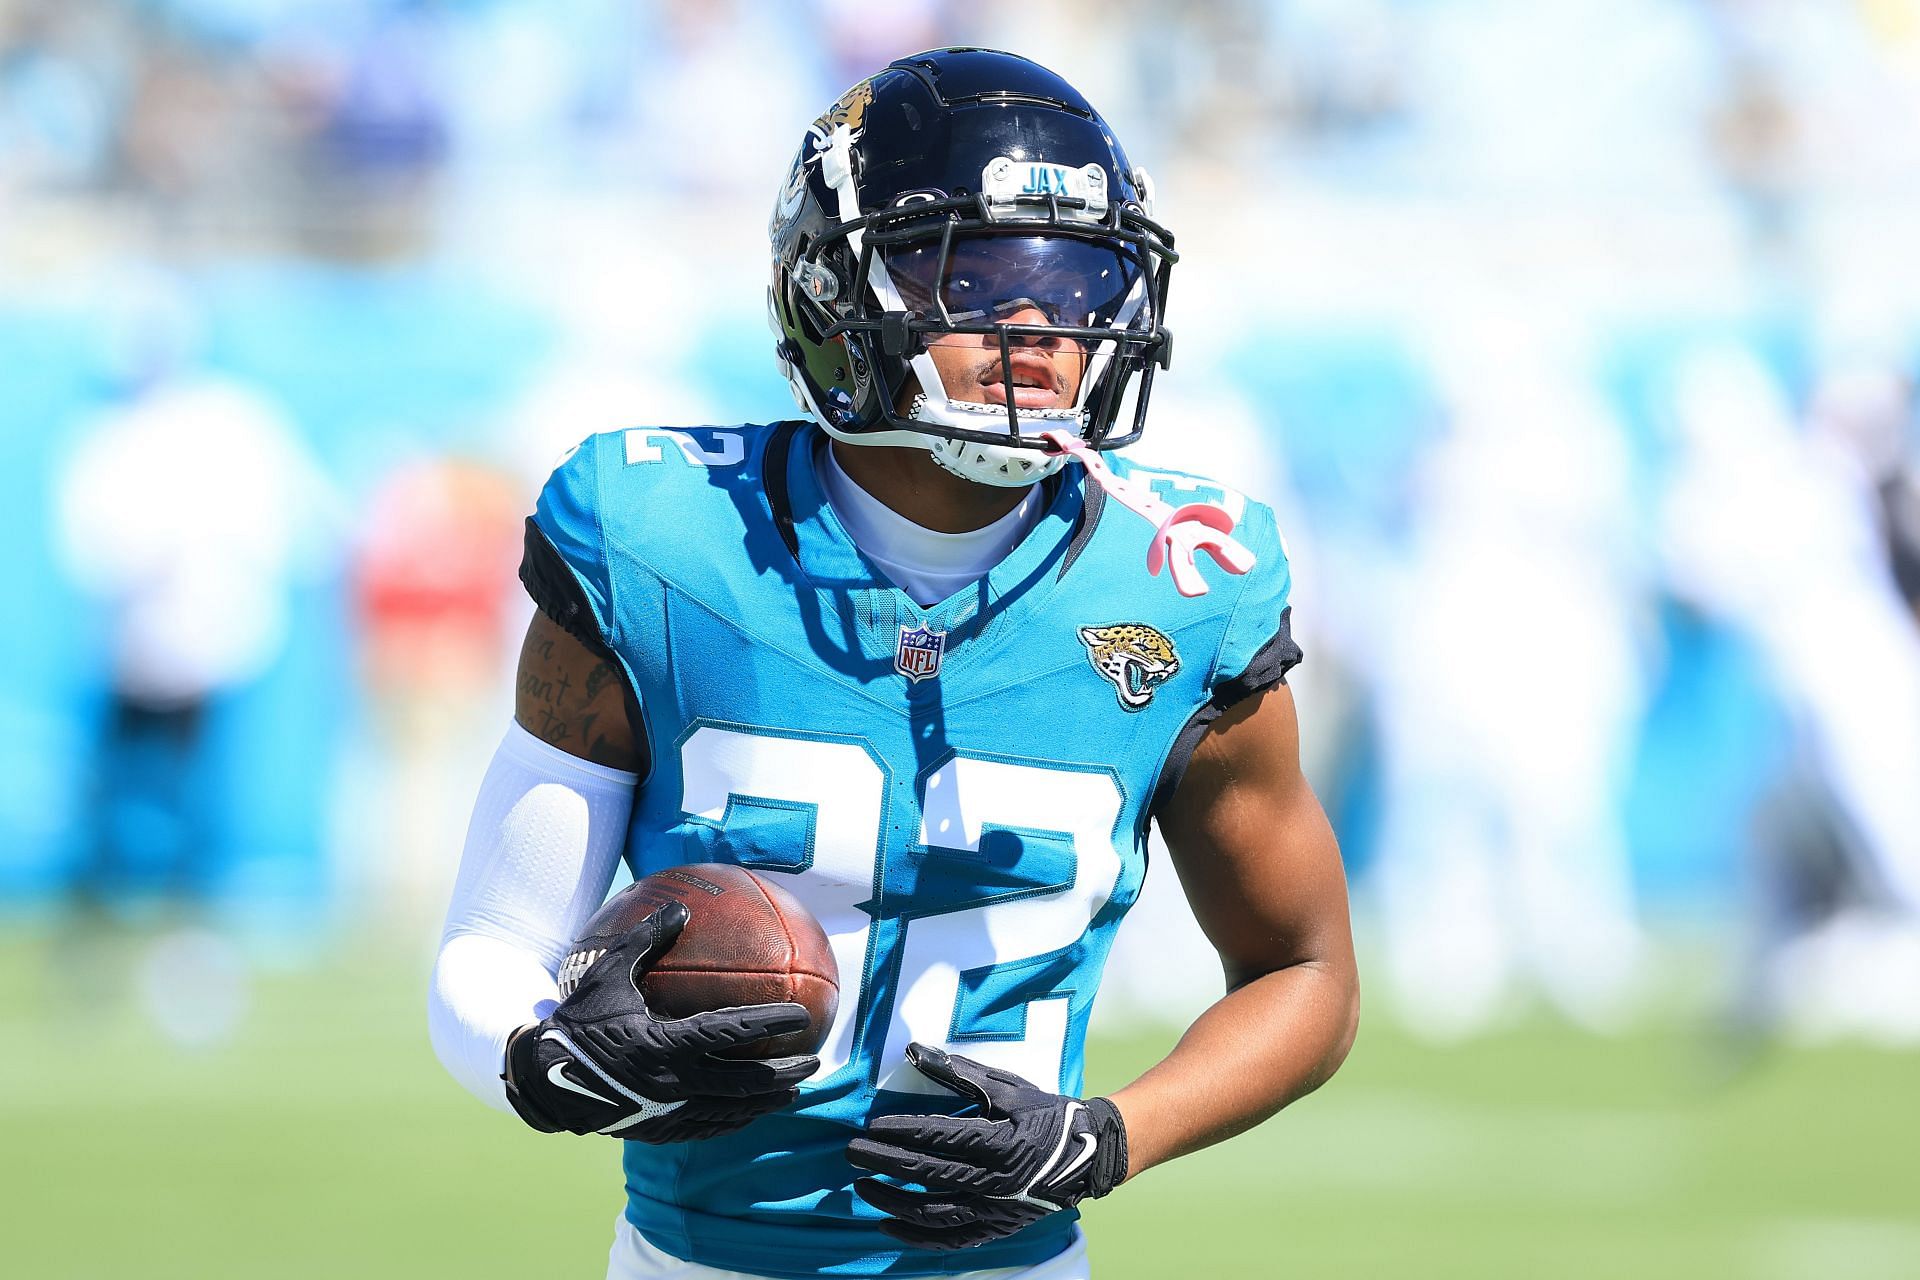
x: 918, y: 655
x: 1134, y: 657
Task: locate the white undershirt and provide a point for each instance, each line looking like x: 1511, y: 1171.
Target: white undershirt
x: 929, y: 566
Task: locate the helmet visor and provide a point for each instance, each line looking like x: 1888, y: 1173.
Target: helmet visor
x: 996, y: 277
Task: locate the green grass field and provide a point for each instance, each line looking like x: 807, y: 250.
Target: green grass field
x: 326, y: 1142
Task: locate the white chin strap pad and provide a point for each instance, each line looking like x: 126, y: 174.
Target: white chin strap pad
x: 994, y: 464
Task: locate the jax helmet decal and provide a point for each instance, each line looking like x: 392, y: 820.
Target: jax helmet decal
x: 952, y: 191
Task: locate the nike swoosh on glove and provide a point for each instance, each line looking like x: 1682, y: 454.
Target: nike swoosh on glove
x: 602, y: 1063
x: 1027, y: 1154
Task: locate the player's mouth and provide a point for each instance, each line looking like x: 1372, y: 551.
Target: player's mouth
x: 1036, y: 385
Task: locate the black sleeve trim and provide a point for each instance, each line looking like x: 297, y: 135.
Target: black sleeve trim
x: 1093, y: 501
x: 559, y: 595
x: 1269, y: 667
x: 773, y: 476
x: 545, y: 575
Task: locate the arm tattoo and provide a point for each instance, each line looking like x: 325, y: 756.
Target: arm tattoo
x: 605, y: 694
x: 597, y: 679
x: 598, y: 747
x: 581, y: 714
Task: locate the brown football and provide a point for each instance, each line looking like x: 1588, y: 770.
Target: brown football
x: 747, y: 941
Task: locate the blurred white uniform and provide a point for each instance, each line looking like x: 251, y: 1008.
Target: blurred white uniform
x: 185, y: 513
x: 1507, y: 688
x: 1776, y: 532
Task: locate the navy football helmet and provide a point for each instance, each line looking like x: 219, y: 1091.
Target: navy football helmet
x: 969, y: 192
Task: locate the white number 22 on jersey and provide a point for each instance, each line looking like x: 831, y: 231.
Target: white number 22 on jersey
x: 941, y: 957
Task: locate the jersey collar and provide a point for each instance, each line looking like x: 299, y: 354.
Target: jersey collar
x: 829, y: 557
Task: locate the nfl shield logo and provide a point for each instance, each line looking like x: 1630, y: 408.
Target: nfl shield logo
x: 918, y: 656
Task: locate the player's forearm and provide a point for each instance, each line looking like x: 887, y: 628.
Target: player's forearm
x: 1257, y: 1049
x: 541, y: 850
x: 484, y: 989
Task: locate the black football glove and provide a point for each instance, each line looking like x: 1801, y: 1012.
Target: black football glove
x: 601, y: 1063
x: 1027, y: 1154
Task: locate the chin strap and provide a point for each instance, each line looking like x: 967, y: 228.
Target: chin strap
x: 1179, y: 532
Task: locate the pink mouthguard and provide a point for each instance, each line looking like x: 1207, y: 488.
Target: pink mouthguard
x: 1179, y: 531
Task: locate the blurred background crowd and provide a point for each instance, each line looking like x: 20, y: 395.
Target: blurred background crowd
x: 1574, y: 343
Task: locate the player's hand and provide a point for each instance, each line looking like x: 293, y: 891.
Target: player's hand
x: 1027, y: 1154
x: 602, y: 1063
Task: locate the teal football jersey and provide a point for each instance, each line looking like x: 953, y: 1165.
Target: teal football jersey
x: 960, y: 793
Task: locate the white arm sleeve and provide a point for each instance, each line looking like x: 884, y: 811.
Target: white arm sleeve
x: 541, y: 850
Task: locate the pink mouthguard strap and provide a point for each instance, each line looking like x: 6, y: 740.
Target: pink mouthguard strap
x: 1179, y: 531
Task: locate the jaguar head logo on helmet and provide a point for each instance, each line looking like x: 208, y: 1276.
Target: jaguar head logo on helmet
x: 964, y: 258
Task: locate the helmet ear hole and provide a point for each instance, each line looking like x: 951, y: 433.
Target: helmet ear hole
x: 783, y: 300
x: 799, y: 314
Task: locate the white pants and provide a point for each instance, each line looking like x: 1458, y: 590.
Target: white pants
x: 633, y: 1258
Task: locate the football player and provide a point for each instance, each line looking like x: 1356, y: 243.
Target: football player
x: 902, y: 654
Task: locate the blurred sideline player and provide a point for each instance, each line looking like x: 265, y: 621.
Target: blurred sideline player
x: 1503, y: 859
x: 1778, y: 532
x: 910, y: 664
x: 189, y: 497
